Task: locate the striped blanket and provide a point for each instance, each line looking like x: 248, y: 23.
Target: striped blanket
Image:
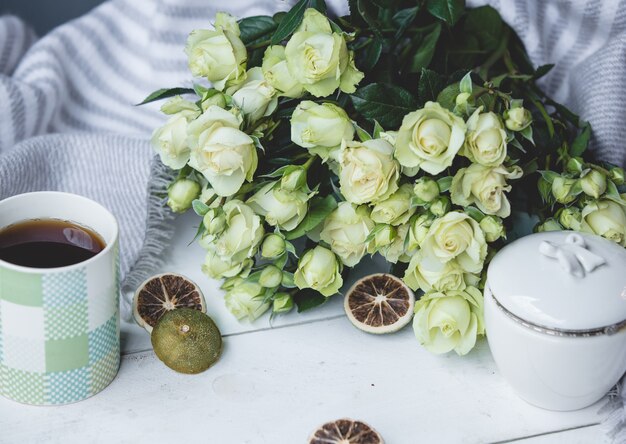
x: 67, y: 119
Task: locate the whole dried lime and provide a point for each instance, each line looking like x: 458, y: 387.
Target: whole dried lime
x: 187, y: 340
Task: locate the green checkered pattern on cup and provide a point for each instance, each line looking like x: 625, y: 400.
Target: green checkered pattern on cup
x: 56, y: 357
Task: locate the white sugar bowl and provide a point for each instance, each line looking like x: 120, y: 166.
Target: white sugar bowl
x: 555, y: 316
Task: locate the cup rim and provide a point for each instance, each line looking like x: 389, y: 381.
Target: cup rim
x: 109, y: 245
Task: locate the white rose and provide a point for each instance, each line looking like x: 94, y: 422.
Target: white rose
x: 429, y: 139
x: 318, y: 58
x: 456, y: 236
x: 218, y: 55
x: 319, y: 270
x: 217, y: 267
x: 241, y: 235
x: 449, y: 321
x: 485, y: 187
x: 277, y: 73
x: 485, y: 142
x: 396, y: 209
x: 346, y: 230
x: 396, y: 251
x: 428, y: 273
x: 246, y: 300
x: 320, y: 128
x: 224, y: 154
x: 281, y: 208
x: 255, y: 96
x: 368, y: 172
x: 170, y: 142
x: 607, y: 219
x: 518, y: 119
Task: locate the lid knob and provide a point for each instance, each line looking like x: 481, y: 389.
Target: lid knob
x: 572, y: 255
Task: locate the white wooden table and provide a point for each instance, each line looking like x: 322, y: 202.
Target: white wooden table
x: 277, y: 381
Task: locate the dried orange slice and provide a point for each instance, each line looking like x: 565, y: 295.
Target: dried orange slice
x: 162, y: 293
x: 379, y: 303
x: 345, y: 431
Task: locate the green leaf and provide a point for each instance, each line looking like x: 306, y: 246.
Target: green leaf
x: 371, y: 55
x: 447, y: 10
x: 447, y: 97
x: 372, y: 234
x: 319, y: 209
x: 255, y: 28
x: 486, y: 25
x: 474, y: 213
x: 579, y: 145
x: 426, y: 50
x: 199, y: 232
x: 527, y: 133
x: 363, y: 135
x: 307, y: 299
x: 164, y: 93
x: 548, y: 175
x: 369, y: 12
x: 612, y: 193
x: 542, y: 71
x: 465, y: 85
x: 388, y: 104
x: 403, y: 18
x: 377, y: 129
x: 444, y: 183
x: 292, y: 20
x: 199, y: 207
x: 429, y: 86
x: 545, y: 189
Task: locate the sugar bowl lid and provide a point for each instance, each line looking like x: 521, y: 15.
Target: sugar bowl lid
x: 561, y: 280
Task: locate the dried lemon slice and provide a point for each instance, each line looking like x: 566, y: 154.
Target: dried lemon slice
x: 345, y: 431
x: 162, y: 293
x: 379, y: 303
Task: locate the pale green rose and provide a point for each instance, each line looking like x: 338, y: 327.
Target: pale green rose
x: 428, y: 273
x: 255, y: 97
x: 214, y: 221
x: 485, y: 142
x: 570, y: 218
x: 273, y: 246
x: 226, y: 22
x: 242, y: 234
x: 593, y: 183
x: 564, y: 189
x: 178, y: 105
x: 396, y: 209
x: 277, y: 73
x: 319, y: 270
x: 418, y: 229
x: 294, y: 178
x: 346, y: 230
x: 518, y: 119
x: 485, y: 187
x: 219, y: 55
x: 493, y: 228
x: 575, y: 165
x: 429, y: 139
x: 318, y: 58
x: 271, y: 276
x: 281, y: 208
x: 224, y: 154
x: 382, y: 238
x: 617, y: 175
x: 607, y: 219
x: 320, y: 128
x: 449, y: 321
x: 282, y: 303
x: 426, y: 189
x: 456, y: 236
x: 170, y: 140
x: 246, y: 300
x: 397, y: 251
x: 549, y: 225
x: 368, y: 171
x: 217, y: 267
x: 440, y: 206
x: 181, y: 194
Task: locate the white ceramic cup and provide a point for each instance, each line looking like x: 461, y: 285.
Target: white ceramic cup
x: 59, y: 327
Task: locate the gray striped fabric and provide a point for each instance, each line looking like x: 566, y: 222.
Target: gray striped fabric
x: 80, y: 83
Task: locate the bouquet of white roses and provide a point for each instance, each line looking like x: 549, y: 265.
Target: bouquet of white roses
x: 404, y: 129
